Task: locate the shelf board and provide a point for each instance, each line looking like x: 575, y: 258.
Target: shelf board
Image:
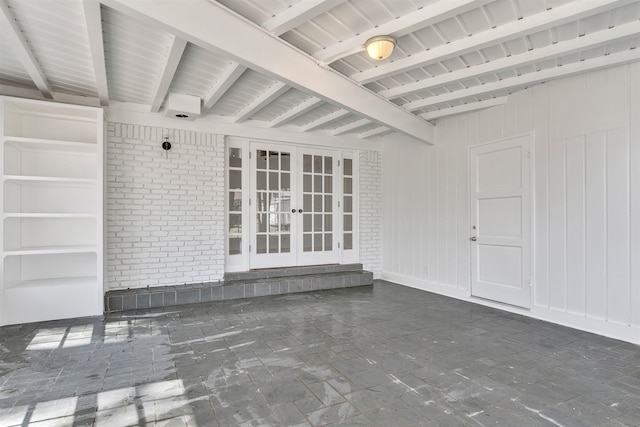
x: 24, y: 143
x: 54, y: 282
x: 50, y: 215
x: 29, y: 179
x: 51, y: 250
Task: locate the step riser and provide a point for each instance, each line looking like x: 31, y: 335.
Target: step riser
x: 292, y: 272
x: 133, y: 299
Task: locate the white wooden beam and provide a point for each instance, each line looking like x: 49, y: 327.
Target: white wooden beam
x: 374, y: 132
x: 215, y: 28
x: 324, y: 120
x: 530, y: 78
x: 472, y: 106
x: 536, y: 55
x: 170, y: 67
x: 544, y: 20
x: 297, y: 111
x: 93, y: 20
x: 263, y: 100
x: 298, y: 14
x: 349, y: 127
x: 228, y: 78
x: 23, y: 51
x: 399, y: 27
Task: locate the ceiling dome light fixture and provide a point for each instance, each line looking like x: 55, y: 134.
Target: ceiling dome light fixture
x: 380, y: 47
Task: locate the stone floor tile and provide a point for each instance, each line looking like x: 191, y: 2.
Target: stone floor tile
x: 381, y: 356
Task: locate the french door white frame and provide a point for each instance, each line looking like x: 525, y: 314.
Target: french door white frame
x: 240, y: 230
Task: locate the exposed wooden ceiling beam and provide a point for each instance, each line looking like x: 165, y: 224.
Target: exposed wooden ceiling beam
x: 297, y: 111
x: 298, y: 14
x: 96, y: 46
x: 263, y: 100
x: 588, y: 41
x: 171, y: 66
x: 472, y: 106
x: 24, y: 52
x: 544, y: 20
x: 351, y: 126
x: 374, y: 132
x: 325, y: 120
x: 228, y: 78
x: 530, y: 78
x: 215, y: 28
x: 399, y: 27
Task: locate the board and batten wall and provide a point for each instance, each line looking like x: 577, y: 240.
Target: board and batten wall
x: 585, y: 133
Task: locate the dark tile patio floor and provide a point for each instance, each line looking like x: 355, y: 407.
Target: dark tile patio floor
x: 371, y: 356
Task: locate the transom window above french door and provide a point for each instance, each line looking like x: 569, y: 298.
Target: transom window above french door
x: 288, y: 206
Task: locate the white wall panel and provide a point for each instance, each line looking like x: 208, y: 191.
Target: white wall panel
x: 586, y: 206
x: 576, y: 244
x: 633, y: 91
x: 618, y: 292
x: 595, y: 223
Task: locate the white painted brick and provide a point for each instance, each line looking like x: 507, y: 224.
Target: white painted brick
x: 370, y: 182
x: 159, y: 205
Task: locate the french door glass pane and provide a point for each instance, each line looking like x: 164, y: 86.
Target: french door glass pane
x: 273, y: 203
x: 317, y: 188
x: 347, y: 218
x: 235, y: 179
x: 234, y: 220
x: 235, y: 158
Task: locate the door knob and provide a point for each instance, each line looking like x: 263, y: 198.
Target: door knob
x: 293, y: 211
x: 473, y: 238
x: 300, y: 210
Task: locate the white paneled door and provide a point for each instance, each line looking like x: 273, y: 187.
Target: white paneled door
x: 500, y: 221
x: 294, y: 206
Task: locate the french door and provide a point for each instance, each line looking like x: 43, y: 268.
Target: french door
x: 294, y: 206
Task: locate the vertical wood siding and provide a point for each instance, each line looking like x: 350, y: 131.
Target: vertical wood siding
x: 586, y: 200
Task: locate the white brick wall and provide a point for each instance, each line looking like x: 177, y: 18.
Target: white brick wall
x: 165, y: 215
x: 371, y: 211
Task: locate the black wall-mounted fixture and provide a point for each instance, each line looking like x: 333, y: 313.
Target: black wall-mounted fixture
x: 166, y: 145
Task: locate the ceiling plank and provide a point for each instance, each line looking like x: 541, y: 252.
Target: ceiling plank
x: 536, y: 55
x: 324, y: 120
x: 96, y: 46
x: 298, y: 14
x: 24, y: 52
x: 297, y: 111
x: 215, y: 28
x: 472, y: 106
x: 263, y: 100
x: 544, y: 20
x: 399, y: 27
x: 171, y: 66
x: 228, y: 78
x: 530, y: 78
x: 349, y: 127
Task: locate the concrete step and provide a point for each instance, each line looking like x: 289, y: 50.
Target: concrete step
x: 248, y: 284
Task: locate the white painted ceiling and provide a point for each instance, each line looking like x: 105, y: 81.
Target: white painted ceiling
x: 301, y: 65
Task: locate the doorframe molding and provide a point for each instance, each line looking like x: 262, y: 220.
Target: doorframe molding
x: 236, y: 263
x: 532, y: 220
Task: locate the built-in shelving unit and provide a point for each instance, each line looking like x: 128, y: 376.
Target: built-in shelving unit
x: 51, y: 200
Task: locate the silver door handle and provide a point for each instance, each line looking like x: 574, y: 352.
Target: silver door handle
x: 473, y: 238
